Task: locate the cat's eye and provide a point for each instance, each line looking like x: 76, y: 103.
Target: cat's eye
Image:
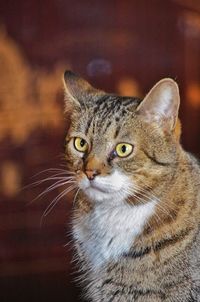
x: 124, y: 149
x: 80, y: 144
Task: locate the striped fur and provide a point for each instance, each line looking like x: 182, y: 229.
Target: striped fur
x: 127, y: 249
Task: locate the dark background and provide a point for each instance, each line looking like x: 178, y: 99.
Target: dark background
x: 119, y: 46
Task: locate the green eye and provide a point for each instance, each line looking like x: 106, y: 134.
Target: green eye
x: 124, y: 149
x: 80, y: 144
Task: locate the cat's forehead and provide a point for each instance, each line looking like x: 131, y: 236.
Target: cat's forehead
x: 107, y: 115
x: 110, y: 104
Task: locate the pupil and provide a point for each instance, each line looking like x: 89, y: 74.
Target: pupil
x: 123, y: 148
x: 82, y: 143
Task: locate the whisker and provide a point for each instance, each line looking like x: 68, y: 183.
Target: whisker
x: 132, y: 192
x: 53, y: 187
x: 53, y: 177
x: 161, y: 207
x: 55, y: 201
x: 151, y: 196
x: 53, y: 170
x: 74, y: 200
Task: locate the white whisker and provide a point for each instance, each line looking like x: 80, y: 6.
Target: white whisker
x: 53, y: 177
x: 54, y: 170
x: 55, y: 186
x: 55, y: 201
x: 74, y: 200
x: 149, y: 196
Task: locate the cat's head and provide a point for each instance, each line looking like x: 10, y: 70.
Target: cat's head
x: 120, y: 147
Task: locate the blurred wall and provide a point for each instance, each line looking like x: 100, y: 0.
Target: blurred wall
x: 119, y: 46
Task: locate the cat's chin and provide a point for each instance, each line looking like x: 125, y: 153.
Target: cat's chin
x: 98, y: 194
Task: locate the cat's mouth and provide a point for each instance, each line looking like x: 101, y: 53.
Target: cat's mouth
x: 97, y: 187
x: 98, y: 192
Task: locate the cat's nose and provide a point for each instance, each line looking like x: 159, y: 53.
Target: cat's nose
x: 91, y: 174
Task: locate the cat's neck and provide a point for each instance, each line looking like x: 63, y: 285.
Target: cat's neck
x: 108, y: 231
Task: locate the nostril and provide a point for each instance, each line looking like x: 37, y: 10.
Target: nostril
x: 91, y: 174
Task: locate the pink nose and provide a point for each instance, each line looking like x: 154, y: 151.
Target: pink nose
x: 91, y: 174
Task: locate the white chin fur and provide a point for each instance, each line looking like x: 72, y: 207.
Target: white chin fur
x: 102, y: 188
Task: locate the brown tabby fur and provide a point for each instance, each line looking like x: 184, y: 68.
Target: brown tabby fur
x: 163, y: 263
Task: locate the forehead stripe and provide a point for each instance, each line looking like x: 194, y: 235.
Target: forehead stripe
x: 128, y: 102
x: 88, y: 125
x: 107, y: 126
x: 117, y: 131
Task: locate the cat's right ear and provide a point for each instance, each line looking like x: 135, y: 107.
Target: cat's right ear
x: 78, y: 91
x: 161, y: 105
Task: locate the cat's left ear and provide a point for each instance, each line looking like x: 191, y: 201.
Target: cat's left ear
x: 161, y: 104
x: 78, y: 91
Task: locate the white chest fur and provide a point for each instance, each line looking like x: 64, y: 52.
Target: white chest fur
x: 109, y: 231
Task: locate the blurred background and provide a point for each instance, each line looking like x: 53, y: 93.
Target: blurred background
x: 119, y: 46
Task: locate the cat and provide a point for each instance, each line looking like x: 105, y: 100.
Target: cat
x: 137, y: 208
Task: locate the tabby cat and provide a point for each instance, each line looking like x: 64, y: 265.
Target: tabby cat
x: 137, y: 209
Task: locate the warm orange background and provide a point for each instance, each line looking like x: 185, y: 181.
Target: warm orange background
x: 119, y: 46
